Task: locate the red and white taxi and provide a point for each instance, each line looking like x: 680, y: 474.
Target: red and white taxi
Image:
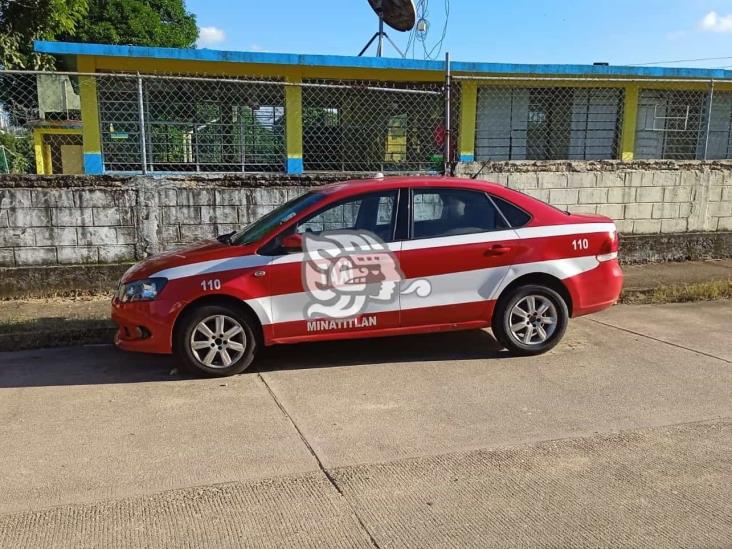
x: 407, y: 255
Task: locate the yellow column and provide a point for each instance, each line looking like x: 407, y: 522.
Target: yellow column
x: 39, y: 152
x: 90, y: 117
x: 293, y: 130
x: 468, y: 106
x: 630, y: 122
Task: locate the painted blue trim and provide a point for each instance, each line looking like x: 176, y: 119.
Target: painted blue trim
x: 73, y: 48
x: 467, y: 157
x: 93, y: 164
x: 294, y: 166
x: 108, y: 50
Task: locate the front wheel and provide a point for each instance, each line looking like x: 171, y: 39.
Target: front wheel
x: 216, y: 341
x: 530, y: 320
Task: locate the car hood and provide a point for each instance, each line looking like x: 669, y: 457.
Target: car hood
x: 205, y: 250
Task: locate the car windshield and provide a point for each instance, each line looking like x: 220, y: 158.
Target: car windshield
x: 278, y: 216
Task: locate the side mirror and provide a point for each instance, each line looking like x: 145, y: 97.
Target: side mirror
x: 292, y: 242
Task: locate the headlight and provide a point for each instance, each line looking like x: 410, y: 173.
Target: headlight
x: 141, y: 290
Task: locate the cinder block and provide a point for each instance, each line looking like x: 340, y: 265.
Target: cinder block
x: 522, y: 181
x: 169, y: 233
x: 168, y: 197
x: 181, y: 214
x: 195, y: 197
x: 191, y: 233
x: 55, y: 236
x: 52, y: 198
x: 219, y: 214
x: 583, y: 209
x: 625, y: 226
x: 611, y: 179
x: 72, y: 217
x: 228, y: 227
x: 269, y: 196
x: 673, y: 225
x: 664, y: 210
x: 677, y: 194
x: 96, y: 236
x: 29, y: 217
x: 613, y: 211
x: 7, y: 259
x: 294, y: 192
x: 649, y: 194
x: 74, y: 255
x: 4, y: 221
x: 563, y: 196
x: 97, y: 198
x: 620, y: 195
x: 230, y: 197
x: 20, y: 236
x: 727, y: 193
x: 715, y: 193
x: 724, y: 224
x: 639, y: 211
x: 684, y: 209
x: 666, y: 178
x: 552, y: 180
x: 720, y: 209
x: 690, y: 178
x: 15, y: 198
x: 35, y: 256
x: 112, y: 217
x: 647, y: 226
x: 582, y: 180
x: 592, y: 196
x: 116, y: 253
x: 639, y: 178
x: 539, y: 194
x: 125, y: 235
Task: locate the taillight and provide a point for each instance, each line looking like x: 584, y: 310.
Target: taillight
x: 610, y: 247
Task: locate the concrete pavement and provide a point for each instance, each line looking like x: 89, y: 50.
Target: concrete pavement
x: 619, y: 437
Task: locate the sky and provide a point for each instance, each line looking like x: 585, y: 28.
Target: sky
x: 620, y: 32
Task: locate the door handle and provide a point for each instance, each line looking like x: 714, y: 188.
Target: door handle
x: 498, y: 249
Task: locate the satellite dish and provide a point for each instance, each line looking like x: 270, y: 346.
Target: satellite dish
x: 400, y: 15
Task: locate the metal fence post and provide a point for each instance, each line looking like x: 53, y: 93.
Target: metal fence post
x: 710, y: 98
x: 448, y: 130
x: 143, y: 137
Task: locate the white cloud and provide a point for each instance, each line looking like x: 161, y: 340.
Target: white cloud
x: 210, y: 36
x: 713, y: 22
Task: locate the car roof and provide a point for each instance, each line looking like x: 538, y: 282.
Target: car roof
x: 395, y: 182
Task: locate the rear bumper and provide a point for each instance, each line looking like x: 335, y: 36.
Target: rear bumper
x: 145, y: 327
x: 596, y: 289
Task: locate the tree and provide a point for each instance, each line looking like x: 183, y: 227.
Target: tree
x: 163, y: 23
x: 22, y: 21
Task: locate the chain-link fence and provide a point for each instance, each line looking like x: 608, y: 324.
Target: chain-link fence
x: 58, y: 122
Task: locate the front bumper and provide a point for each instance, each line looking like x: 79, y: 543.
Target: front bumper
x: 145, y: 326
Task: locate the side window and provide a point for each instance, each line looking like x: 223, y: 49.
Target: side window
x: 515, y: 215
x: 374, y: 212
x: 449, y: 212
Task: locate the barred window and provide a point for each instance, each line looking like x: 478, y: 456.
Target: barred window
x: 548, y: 123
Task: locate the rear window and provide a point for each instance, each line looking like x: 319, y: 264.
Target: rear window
x: 516, y: 216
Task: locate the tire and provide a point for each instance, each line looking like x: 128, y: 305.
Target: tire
x: 209, y: 354
x: 507, y: 320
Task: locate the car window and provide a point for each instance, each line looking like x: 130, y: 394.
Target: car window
x: 515, y: 215
x: 373, y: 212
x: 449, y: 212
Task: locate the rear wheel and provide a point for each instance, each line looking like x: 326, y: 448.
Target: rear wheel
x: 530, y: 320
x: 216, y: 341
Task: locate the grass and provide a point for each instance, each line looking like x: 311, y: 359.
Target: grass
x: 712, y: 290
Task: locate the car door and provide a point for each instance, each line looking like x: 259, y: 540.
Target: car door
x: 460, y: 247
x: 312, y: 299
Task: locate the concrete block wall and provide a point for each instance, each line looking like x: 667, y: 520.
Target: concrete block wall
x: 69, y: 220
x: 642, y: 197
